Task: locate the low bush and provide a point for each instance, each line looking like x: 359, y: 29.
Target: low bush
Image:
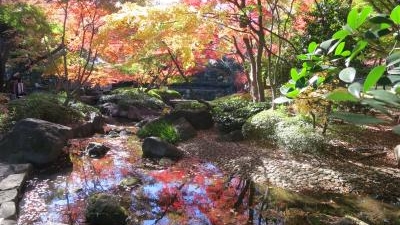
x: 231, y: 113
x: 43, y: 106
x: 160, y: 128
x: 126, y: 97
x: 262, y: 125
x: 296, y: 135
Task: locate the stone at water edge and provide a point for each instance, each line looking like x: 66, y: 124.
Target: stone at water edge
x: 96, y: 150
x: 34, y: 141
x: 8, y: 210
x: 13, y: 181
x: 397, y: 155
x: 7, y: 222
x: 8, y: 195
x: 104, y: 209
x: 154, y: 147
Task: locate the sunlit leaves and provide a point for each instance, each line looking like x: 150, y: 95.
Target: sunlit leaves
x: 374, y: 75
x: 395, y: 15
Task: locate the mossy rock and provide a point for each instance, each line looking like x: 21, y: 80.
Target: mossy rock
x: 130, y: 181
x: 104, y: 209
x: 164, y: 94
x: 44, y: 106
x: 262, y: 125
x: 125, y: 97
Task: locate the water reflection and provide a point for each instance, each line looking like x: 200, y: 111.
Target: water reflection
x: 189, y: 192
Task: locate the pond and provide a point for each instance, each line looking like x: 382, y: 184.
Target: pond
x: 188, y: 191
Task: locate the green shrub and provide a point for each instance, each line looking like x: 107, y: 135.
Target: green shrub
x: 262, y: 125
x: 160, y: 128
x: 126, y: 97
x: 43, y: 106
x: 296, y: 135
x: 164, y: 94
x: 231, y: 113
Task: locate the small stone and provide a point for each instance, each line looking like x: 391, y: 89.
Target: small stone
x: 8, y: 210
x: 96, y: 150
x: 166, y: 162
x: 130, y: 181
x: 13, y: 181
x: 9, y: 195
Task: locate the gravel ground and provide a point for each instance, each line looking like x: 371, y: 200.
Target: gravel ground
x: 345, y: 168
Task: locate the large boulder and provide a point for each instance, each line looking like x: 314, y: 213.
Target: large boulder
x: 34, y: 141
x: 154, y: 147
x: 104, y: 209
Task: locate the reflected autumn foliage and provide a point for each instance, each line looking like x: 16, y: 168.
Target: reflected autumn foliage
x: 188, y: 192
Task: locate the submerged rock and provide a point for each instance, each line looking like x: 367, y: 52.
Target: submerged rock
x: 34, y: 141
x: 96, y: 150
x: 104, y: 209
x: 154, y: 147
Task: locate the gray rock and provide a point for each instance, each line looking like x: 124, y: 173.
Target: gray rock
x: 22, y: 168
x: 8, y: 210
x: 8, y: 222
x: 88, y: 128
x: 8, y: 195
x: 184, y: 129
x: 154, y: 147
x: 104, y: 209
x: 96, y: 150
x: 13, y: 181
x: 110, y: 109
x: 34, y: 141
x: 200, y: 119
x: 5, y: 170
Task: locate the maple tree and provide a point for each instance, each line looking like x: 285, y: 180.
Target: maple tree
x: 259, y: 34
x: 155, y: 40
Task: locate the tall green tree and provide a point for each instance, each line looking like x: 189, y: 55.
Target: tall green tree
x: 23, y: 28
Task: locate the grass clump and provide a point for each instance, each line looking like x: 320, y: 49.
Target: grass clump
x: 160, y: 128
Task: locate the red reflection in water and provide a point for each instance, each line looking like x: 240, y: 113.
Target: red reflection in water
x: 189, y: 192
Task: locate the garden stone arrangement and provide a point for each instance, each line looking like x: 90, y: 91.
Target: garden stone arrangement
x: 12, y: 180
